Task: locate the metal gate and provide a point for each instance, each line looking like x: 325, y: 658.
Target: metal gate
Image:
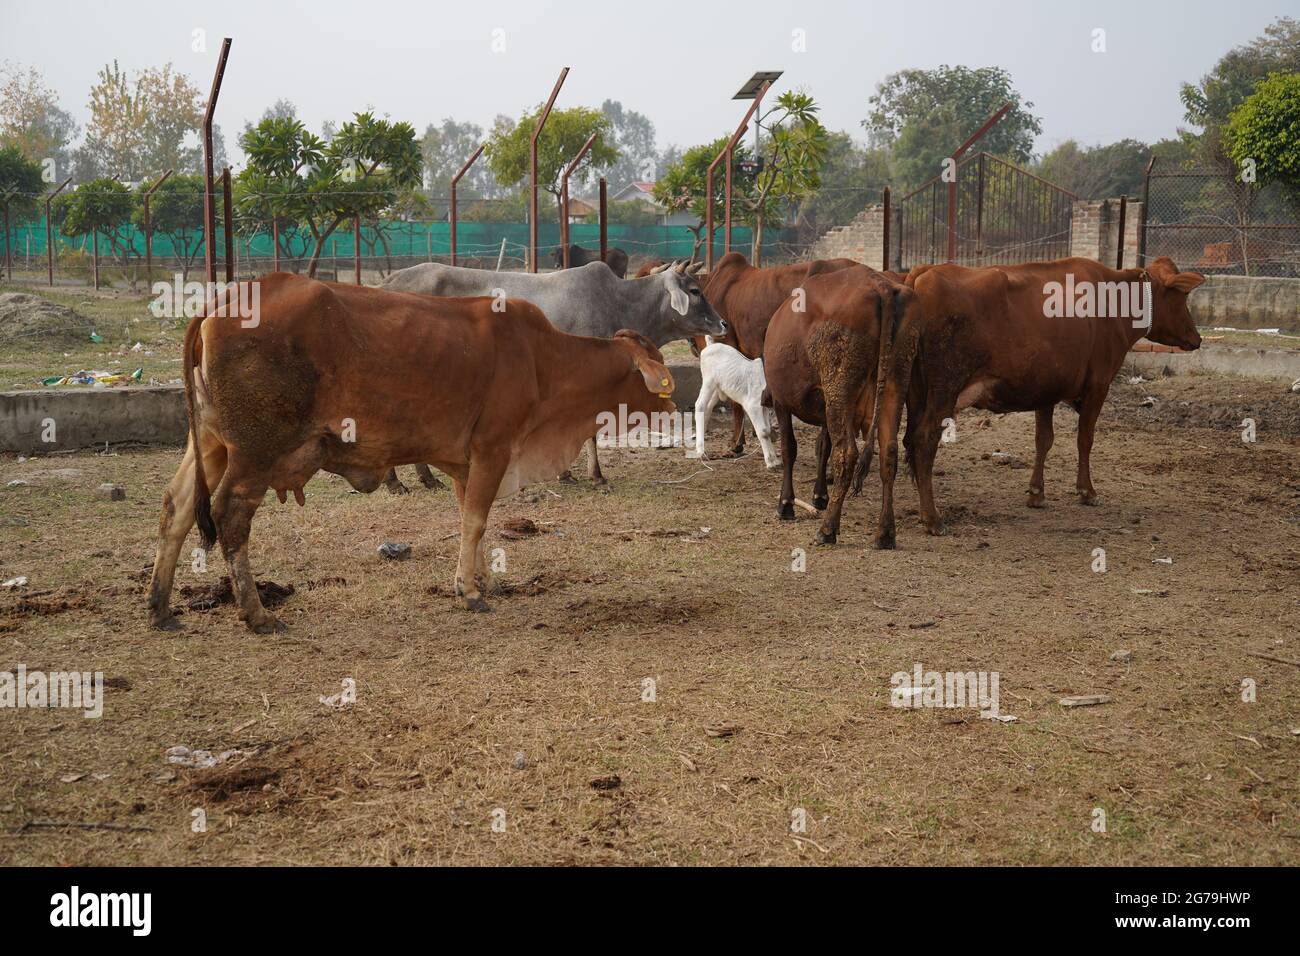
x: 1001, y: 215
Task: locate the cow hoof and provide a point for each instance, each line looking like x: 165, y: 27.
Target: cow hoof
x: 885, y: 542
x: 477, y: 605
x: 820, y: 502
x: 398, y: 489
x: 937, y: 530
x: 825, y: 537
x: 785, y: 511
x: 267, y: 625
x: 1090, y: 498
x: 737, y: 451
x: 567, y: 476
x: 164, y: 622
x: 599, y: 481
x: 433, y: 484
x: 1037, y: 500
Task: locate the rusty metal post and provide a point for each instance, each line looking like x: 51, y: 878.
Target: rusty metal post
x: 228, y: 219
x: 1119, y: 245
x: 209, y: 201
x: 148, y: 231
x: 532, y: 172
x: 564, y: 197
x: 451, y: 212
x: 886, y: 214
x: 95, y: 245
x: 356, y: 247
x: 604, y: 220
x: 275, y: 243
x: 1146, y: 215
x: 952, y: 186
x: 49, y: 228
x: 708, y: 179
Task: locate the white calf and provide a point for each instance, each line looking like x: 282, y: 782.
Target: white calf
x: 727, y: 373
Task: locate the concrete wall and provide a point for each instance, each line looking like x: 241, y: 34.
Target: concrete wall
x: 91, y: 416
x: 1094, y: 231
x: 1247, y: 302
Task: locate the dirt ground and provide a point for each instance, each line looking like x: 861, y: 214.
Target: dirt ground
x: 771, y: 686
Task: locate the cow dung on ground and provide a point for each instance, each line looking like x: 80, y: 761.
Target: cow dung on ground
x: 29, y: 320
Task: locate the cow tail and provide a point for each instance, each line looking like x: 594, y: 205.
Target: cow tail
x: 886, y: 330
x: 202, y: 496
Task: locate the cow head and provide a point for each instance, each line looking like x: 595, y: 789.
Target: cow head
x: 685, y: 307
x: 1171, y: 322
x: 649, y: 384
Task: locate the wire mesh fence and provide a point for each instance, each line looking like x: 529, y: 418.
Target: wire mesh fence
x: 1208, y: 222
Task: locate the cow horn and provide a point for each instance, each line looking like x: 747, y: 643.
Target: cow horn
x: 695, y: 268
x: 680, y: 266
x: 660, y: 268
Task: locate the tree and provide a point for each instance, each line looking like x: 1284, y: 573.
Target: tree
x: 176, y: 211
x: 1097, y: 172
x: 20, y: 185
x: 31, y: 119
x: 683, y: 185
x: 445, y: 149
x: 564, y: 133
x: 1210, y: 102
x: 1263, y: 134
x: 852, y: 177
x: 293, y: 174
x: 923, y: 115
x: 101, y: 206
x: 634, y: 138
x: 143, y: 125
x: 790, y: 161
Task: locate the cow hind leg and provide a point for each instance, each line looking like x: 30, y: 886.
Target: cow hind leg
x: 925, y: 449
x: 1043, y: 436
x: 425, y: 474
x: 593, y: 464
x: 841, y: 435
x: 394, y: 484
x: 737, y: 429
x: 175, y: 524
x: 820, y: 496
x: 237, y: 500
x: 789, y: 451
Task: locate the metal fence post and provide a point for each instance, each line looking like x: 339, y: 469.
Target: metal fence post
x: 1146, y: 215
x: 451, y: 212
x: 564, y: 198
x: 49, y: 228
x: 708, y: 180
x: 209, y: 201
x: 604, y: 220
x: 148, y: 230
x: 1119, y: 243
x: 532, y: 172
x: 229, y: 219
x: 886, y: 213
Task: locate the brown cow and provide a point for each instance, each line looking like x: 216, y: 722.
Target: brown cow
x: 824, y: 363
x: 354, y: 380
x: 746, y: 297
x: 995, y: 338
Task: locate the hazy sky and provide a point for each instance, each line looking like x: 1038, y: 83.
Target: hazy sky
x: 677, y: 62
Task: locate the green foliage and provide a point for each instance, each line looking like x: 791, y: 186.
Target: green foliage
x: 1265, y: 132
x: 923, y: 115
x: 21, y: 186
x: 101, y: 205
x: 1210, y: 102
x: 176, y: 211
x: 682, y: 186
x: 564, y: 134
x: 792, y: 155
x: 631, y: 212
x: 304, y: 182
x: 1097, y: 172
x: 852, y: 177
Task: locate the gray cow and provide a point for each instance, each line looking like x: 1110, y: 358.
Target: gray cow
x: 590, y: 300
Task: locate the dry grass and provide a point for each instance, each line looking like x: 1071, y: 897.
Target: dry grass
x: 772, y: 686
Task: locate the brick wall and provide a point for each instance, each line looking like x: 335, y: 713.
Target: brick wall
x: 1094, y: 230
x: 861, y: 239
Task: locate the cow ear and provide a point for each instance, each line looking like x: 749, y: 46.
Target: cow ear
x: 1185, y: 282
x: 678, y: 299
x: 656, y: 376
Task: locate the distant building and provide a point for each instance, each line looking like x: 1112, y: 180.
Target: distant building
x: 643, y: 192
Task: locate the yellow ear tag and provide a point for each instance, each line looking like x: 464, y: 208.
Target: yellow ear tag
x: 664, y: 383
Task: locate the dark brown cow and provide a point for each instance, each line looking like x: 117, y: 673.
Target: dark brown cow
x: 824, y: 363
x: 746, y: 296
x: 355, y: 380
x: 991, y: 338
x: 615, y: 258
